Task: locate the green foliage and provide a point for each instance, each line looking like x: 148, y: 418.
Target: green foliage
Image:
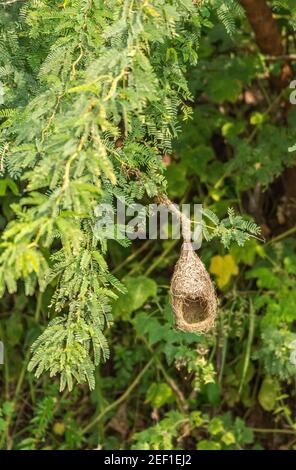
x: 224, y: 434
x: 232, y: 229
x: 91, y: 86
x: 268, y: 394
x: 275, y: 276
x: 275, y: 352
x: 103, y: 109
x: 159, y: 394
x: 139, y: 290
x: 38, y: 426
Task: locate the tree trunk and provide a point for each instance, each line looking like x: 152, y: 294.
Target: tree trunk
x: 269, y: 41
x: 267, y: 36
x: 264, y: 26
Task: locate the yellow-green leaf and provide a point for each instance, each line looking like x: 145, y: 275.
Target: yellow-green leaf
x: 268, y: 393
x: 224, y: 267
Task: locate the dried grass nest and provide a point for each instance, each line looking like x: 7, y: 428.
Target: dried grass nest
x: 193, y: 295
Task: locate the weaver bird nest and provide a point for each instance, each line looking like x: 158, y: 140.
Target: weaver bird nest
x: 193, y: 295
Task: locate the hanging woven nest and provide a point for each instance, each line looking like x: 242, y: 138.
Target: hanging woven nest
x: 193, y: 295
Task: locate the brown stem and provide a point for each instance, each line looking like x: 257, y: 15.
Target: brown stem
x: 185, y: 221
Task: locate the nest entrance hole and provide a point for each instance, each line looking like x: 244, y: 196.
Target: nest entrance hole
x: 194, y: 311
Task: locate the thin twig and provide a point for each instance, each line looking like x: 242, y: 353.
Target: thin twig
x: 171, y: 382
x: 275, y: 431
x: 248, y: 348
x: 119, y: 400
x: 131, y: 257
x: 273, y: 58
x: 15, y: 399
x: 163, y: 256
x: 185, y: 221
x: 281, y: 236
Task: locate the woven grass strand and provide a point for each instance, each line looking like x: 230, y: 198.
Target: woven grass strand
x: 193, y: 295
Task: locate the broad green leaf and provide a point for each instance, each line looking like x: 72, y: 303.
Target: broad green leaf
x: 227, y: 89
x: 208, y: 445
x: 140, y: 289
x: 228, y: 438
x: 158, y: 394
x: 216, y: 426
x: 268, y: 393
